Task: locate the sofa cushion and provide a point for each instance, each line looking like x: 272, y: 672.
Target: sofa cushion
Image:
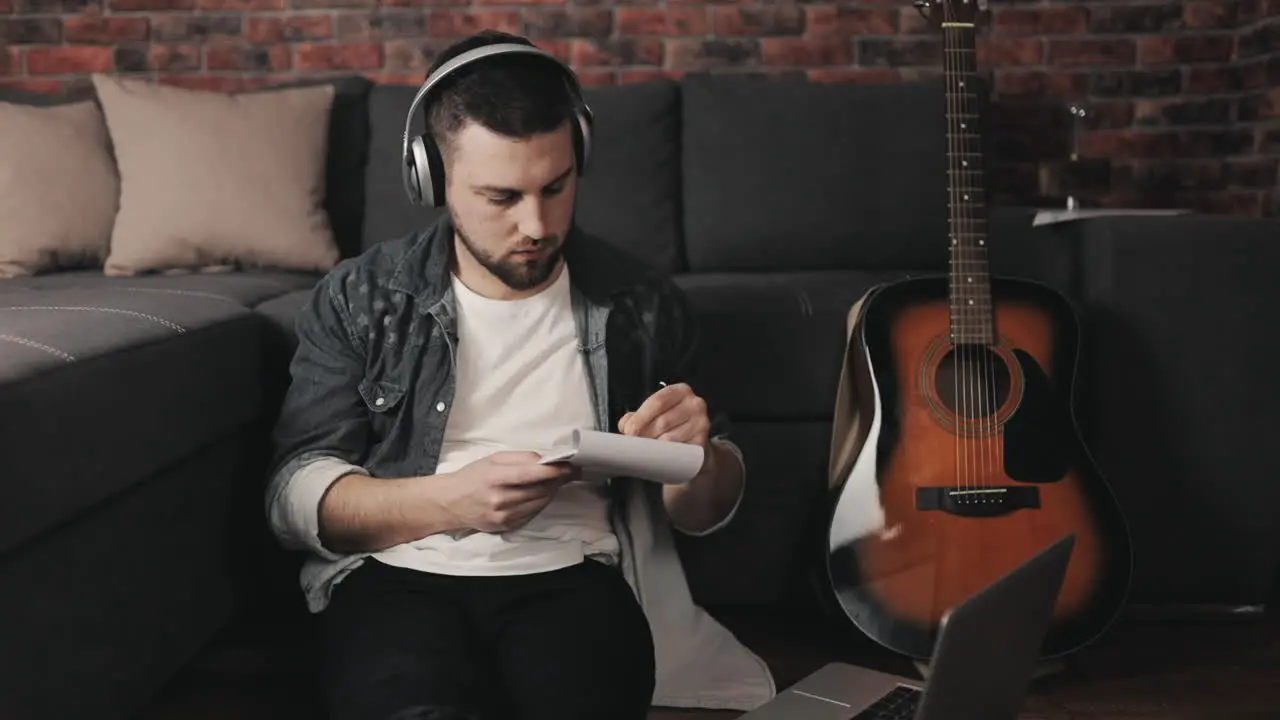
x: 772, y: 343
x: 246, y: 288
x: 629, y: 195
x: 212, y: 179
x: 782, y: 174
x: 283, y: 310
x: 54, y: 218
x: 100, y: 387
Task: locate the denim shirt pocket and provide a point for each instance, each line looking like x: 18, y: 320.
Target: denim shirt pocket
x: 384, y: 399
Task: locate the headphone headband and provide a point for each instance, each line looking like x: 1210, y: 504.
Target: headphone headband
x: 467, y: 58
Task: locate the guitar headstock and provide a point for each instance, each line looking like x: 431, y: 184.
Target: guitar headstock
x: 951, y: 11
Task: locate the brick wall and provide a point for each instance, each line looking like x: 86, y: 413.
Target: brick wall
x: 1181, y: 99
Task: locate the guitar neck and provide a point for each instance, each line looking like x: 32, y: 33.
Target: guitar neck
x: 970, y: 287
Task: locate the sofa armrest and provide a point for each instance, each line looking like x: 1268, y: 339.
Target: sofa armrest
x: 1181, y: 382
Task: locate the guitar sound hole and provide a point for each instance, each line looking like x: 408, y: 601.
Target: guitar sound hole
x: 972, y: 381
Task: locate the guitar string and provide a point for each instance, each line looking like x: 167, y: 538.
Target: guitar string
x: 980, y: 306
x: 965, y: 360
x: 957, y: 323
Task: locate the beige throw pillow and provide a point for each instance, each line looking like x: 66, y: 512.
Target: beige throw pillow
x: 210, y: 180
x: 58, y: 188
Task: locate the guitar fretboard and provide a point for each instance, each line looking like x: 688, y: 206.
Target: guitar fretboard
x: 970, y: 285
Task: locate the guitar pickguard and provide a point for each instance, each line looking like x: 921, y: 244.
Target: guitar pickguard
x: 1037, y: 438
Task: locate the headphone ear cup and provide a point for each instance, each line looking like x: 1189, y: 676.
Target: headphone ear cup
x: 584, y: 139
x: 428, y: 170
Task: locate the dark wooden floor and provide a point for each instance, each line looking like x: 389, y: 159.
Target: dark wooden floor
x: 1141, y: 670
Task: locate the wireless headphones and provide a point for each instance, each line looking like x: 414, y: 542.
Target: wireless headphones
x: 423, y: 167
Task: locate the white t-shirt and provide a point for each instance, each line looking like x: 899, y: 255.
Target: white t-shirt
x: 521, y: 385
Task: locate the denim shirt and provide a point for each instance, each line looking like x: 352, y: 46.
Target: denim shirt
x: 373, y: 381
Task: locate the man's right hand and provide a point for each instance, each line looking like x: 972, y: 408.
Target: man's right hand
x: 503, y: 491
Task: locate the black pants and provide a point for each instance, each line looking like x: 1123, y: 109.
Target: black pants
x: 571, y: 644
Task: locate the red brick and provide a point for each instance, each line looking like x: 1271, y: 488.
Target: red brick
x: 1108, y: 115
x: 662, y: 21
x: 778, y: 20
x: 519, y: 2
x: 1041, y: 84
x: 1181, y: 50
x: 697, y: 54
x: 210, y: 83
x: 178, y: 28
x: 1164, y: 143
x: 241, y: 5
x: 458, y: 23
x: 1253, y: 172
x: 826, y: 21
x: 900, y: 52
x: 290, y: 28
x: 105, y: 31
x: 860, y: 76
x: 1210, y: 14
x: 806, y: 52
x: 1041, y: 21
x: 81, y: 60
x: 409, y: 57
x: 6, y: 7
x: 363, y: 56
x: 247, y: 58
x: 166, y: 58
x: 149, y: 5
x: 40, y: 86
x: 568, y: 22
x: 381, y: 25
x: 1093, y: 51
x: 10, y: 61
x: 1227, y: 78
x: 1229, y: 202
x: 618, y: 51
x: 382, y: 78
x: 560, y: 49
x: 1010, y: 52
x: 597, y: 78
x: 370, y: 5
x: 30, y: 31
x: 639, y: 76
x: 910, y: 23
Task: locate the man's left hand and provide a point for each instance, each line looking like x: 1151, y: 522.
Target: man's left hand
x: 674, y: 413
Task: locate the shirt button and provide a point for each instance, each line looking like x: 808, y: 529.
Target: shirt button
x: 440, y: 406
x: 380, y: 402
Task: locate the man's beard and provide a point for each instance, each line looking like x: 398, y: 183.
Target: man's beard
x: 515, y: 272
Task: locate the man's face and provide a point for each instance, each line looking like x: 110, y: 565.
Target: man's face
x: 511, y: 201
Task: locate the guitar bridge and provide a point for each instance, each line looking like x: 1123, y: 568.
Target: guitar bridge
x: 978, y: 501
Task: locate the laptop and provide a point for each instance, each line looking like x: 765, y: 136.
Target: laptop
x: 982, y: 663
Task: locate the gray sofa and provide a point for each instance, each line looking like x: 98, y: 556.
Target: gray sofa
x: 134, y: 412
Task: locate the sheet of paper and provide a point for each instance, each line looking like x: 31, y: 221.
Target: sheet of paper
x: 1050, y: 217
x: 613, y: 454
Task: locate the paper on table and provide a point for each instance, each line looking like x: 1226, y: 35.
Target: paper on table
x: 670, y: 463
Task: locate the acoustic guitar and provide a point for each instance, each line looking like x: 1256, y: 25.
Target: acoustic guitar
x: 955, y: 450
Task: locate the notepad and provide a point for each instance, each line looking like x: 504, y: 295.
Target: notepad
x: 616, y: 455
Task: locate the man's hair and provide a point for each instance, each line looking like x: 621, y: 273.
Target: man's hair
x: 512, y: 95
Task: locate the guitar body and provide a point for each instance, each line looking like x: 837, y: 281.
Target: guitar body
x: 968, y: 462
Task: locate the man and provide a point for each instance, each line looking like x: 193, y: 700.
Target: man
x: 455, y: 576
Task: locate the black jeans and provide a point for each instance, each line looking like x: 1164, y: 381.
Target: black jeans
x: 571, y: 644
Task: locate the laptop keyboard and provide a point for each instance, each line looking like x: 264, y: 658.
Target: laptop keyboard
x: 898, y: 704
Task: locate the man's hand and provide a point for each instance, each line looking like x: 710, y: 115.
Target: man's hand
x: 503, y: 491
x: 674, y: 413
x: 678, y: 414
